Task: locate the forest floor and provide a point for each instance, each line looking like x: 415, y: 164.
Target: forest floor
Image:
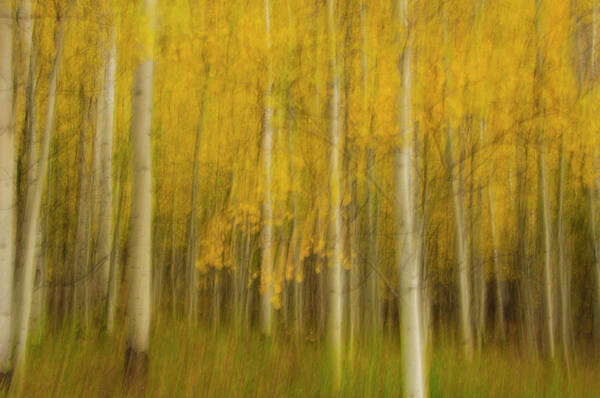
x: 205, y: 363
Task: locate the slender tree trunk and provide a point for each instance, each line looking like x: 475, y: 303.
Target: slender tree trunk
x: 32, y: 213
x: 266, y: 275
x: 140, y: 245
x: 334, y: 273
x: 543, y: 192
x: 38, y: 314
x: 407, y: 234
x: 477, y: 261
x: 115, y: 265
x: 82, y: 236
x: 425, y: 280
x: 461, y: 248
x: 563, y: 270
x: 105, y: 210
x: 28, y: 158
x: 523, y: 261
x: 193, y: 221
x: 373, y: 300
x: 547, y: 251
x: 8, y: 185
x: 457, y: 194
x: 498, y: 276
x: 352, y: 213
x: 296, y: 264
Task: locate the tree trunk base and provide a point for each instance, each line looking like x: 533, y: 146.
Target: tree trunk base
x: 136, y: 370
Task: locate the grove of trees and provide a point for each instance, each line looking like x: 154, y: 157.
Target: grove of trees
x: 314, y: 170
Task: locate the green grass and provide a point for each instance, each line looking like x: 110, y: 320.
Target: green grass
x: 202, y: 363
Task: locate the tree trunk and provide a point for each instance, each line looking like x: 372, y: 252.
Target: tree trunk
x: 193, y: 221
x: 352, y: 212
x: 334, y: 273
x: 266, y: 274
x: 498, y: 276
x: 461, y: 247
x: 82, y: 236
x: 32, y: 211
x: 140, y: 245
x: 543, y: 191
x: 8, y: 185
x: 407, y: 234
x: 115, y: 265
x: 563, y: 268
x: 105, y: 211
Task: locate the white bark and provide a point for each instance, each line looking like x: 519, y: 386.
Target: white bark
x: 407, y: 234
x: 32, y: 211
x: 7, y: 187
x: 334, y: 273
x: 105, y: 204
x: 140, y: 244
x: 266, y: 276
x: 461, y: 248
x: 115, y: 266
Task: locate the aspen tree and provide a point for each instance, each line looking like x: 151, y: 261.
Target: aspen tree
x: 82, y: 242
x: 352, y: 211
x: 115, y: 264
x: 267, y: 276
x: 563, y: 269
x: 543, y: 185
x: 368, y: 110
x: 105, y: 210
x: 32, y: 209
x: 457, y: 196
x: 496, y: 264
x: 407, y: 234
x: 334, y: 273
x: 8, y: 183
x: 140, y: 245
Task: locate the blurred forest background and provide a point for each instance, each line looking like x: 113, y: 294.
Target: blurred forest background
x: 299, y: 198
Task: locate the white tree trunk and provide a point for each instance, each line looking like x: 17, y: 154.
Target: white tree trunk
x: 461, y: 247
x: 407, y: 234
x: 7, y: 186
x: 140, y: 244
x: 457, y: 194
x: 32, y: 211
x: 334, y: 273
x: 115, y: 265
x: 105, y: 210
x: 266, y: 275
